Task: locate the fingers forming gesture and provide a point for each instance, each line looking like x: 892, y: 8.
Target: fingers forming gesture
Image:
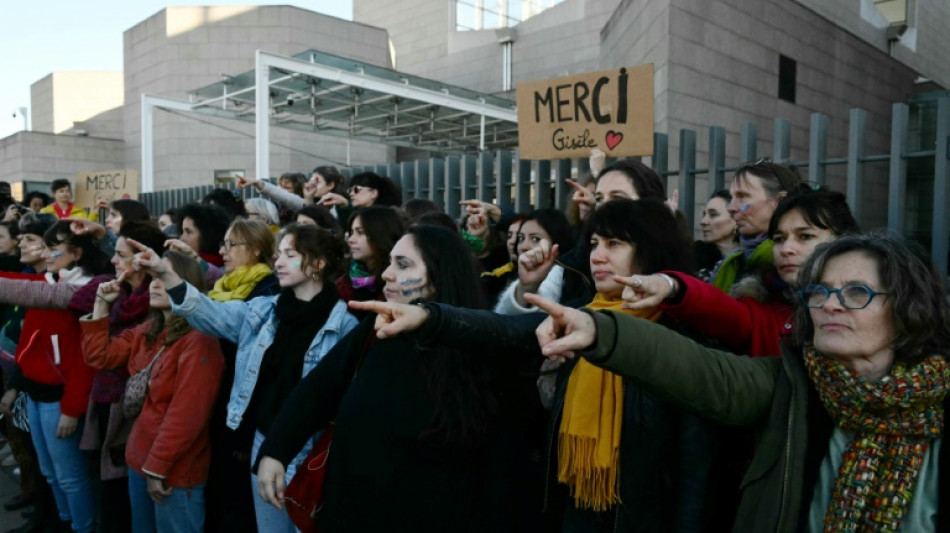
x: 565, y: 331
x: 393, y: 318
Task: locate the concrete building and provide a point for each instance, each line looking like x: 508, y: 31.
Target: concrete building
x: 717, y: 62
x: 91, y: 121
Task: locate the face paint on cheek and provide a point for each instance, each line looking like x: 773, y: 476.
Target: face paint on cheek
x: 296, y: 265
x: 745, y: 208
x: 411, y: 286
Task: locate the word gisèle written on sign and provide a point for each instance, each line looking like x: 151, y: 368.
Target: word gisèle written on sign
x: 610, y: 110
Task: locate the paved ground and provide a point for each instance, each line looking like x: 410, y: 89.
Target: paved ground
x: 9, y: 487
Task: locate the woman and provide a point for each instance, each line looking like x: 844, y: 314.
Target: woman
x: 317, y: 215
x: 106, y: 429
x: 263, y: 210
x: 63, y: 206
x: 248, y: 251
x: 851, y: 415
x: 366, y: 189
x: 53, y: 374
x: 168, y: 450
x: 629, y: 460
x: 119, y: 212
x: 756, y: 191
x: 280, y: 338
x: 371, y: 235
x: 719, y: 233
x: 202, y: 228
x: 9, y: 247
x: 549, y: 226
x: 758, y: 315
x: 426, y: 438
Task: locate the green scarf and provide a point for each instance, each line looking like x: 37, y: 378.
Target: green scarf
x: 238, y: 284
x: 742, y: 261
x: 893, y: 420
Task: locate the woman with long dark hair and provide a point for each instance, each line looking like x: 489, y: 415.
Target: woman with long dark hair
x: 371, y: 234
x: 425, y: 436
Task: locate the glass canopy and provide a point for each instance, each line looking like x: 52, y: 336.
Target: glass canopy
x: 323, y: 93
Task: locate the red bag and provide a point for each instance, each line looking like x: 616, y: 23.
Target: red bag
x: 304, y: 494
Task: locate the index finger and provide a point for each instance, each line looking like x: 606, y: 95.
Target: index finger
x: 576, y: 186
x: 551, y: 307
x: 137, y: 245
x: 371, y: 305
x: 122, y: 276
x: 628, y: 281
x: 471, y: 203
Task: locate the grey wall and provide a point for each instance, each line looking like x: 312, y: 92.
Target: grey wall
x: 36, y: 156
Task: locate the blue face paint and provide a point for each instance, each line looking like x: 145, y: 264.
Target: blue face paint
x: 745, y: 208
x: 413, y: 281
x: 56, y: 254
x: 296, y: 264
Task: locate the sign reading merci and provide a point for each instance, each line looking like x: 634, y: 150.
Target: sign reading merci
x: 105, y: 186
x: 611, y: 110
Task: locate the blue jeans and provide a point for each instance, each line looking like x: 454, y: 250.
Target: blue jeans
x: 181, y: 512
x: 269, y: 519
x: 63, y: 465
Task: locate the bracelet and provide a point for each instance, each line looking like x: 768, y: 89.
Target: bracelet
x: 669, y: 279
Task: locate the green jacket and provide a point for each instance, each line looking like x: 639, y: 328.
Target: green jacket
x: 772, y: 393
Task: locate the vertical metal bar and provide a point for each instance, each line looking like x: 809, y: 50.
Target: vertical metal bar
x: 421, y: 189
x: 382, y: 170
x: 453, y: 185
x: 503, y: 179
x: 262, y: 115
x: 817, y: 147
x: 148, y: 163
x: 897, y: 171
x: 407, y: 172
x: 437, y: 182
x: 486, y: 170
x: 687, y: 178
x: 523, y: 186
x: 394, y: 174
x: 782, y: 147
x: 542, y: 185
x: 748, y: 142
x: 856, y: 147
x: 469, y: 178
x: 717, y: 158
x: 661, y: 156
x: 562, y: 192
x: 940, y: 246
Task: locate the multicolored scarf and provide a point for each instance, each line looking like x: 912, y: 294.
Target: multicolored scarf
x: 894, y: 421
x: 360, y: 277
x: 589, y: 436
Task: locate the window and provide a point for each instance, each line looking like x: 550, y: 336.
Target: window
x: 786, y: 78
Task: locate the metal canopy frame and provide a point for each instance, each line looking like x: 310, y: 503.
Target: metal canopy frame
x: 323, y: 93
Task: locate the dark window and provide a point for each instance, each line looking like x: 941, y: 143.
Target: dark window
x: 786, y: 78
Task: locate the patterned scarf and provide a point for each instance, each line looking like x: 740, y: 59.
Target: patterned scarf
x: 589, y: 436
x: 894, y: 420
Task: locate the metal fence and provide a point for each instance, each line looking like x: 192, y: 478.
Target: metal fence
x: 521, y: 185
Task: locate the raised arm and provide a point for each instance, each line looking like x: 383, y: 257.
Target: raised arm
x: 39, y: 294
x: 718, y: 385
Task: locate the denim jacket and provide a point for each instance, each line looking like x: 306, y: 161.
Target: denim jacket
x: 252, y: 325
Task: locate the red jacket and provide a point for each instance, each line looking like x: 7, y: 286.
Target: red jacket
x: 48, y: 353
x: 170, y: 437
x: 742, y: 324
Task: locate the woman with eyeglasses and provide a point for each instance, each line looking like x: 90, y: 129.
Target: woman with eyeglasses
x: 368, y: 189
x: 757, y: 313
x: 279, y: 338
x: 756, y: 191
x: 851, y: 417
x: 247, y: 250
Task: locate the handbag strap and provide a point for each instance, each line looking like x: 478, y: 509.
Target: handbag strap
x: 148, y: 367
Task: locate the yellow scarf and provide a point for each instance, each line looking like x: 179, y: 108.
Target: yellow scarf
x: 589, y: 437
x: 238, y: 284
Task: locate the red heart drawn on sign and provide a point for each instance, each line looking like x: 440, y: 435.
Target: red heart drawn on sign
x: 613, y: 139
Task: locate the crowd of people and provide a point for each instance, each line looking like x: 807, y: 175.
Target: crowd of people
x: 588, y: 370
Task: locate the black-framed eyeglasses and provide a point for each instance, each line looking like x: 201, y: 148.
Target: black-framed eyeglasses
x: 228, y: 244
x: 852, y: 296
x: 356, y: 189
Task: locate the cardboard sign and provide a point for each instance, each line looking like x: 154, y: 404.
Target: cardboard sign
x: 105, y: 185
x: 611, y: 110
